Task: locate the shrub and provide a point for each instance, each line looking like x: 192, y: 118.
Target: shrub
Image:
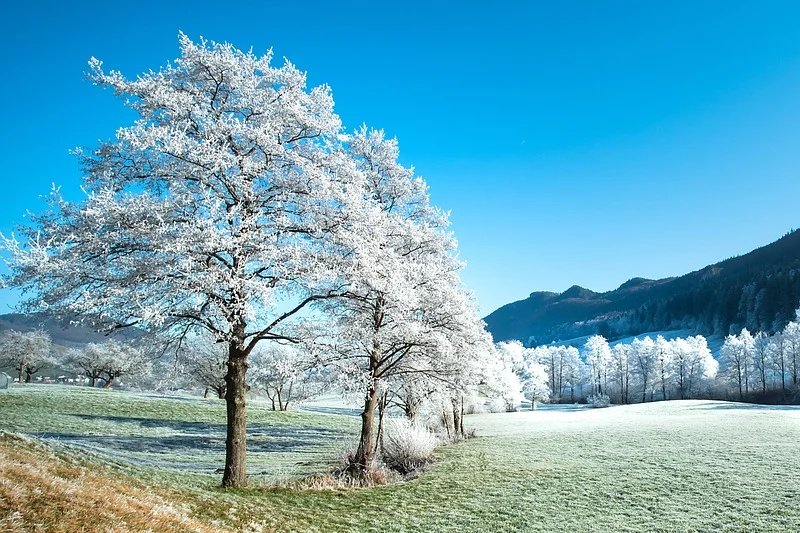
x: 502, y: 405
x: 599, y: 400
x: 474, y: 404
x: 407, y: 446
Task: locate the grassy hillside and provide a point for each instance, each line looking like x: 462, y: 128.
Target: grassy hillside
x: 673, y: 466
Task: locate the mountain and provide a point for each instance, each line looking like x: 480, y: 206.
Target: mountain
x: 759, y: 290
x: 63, y: 335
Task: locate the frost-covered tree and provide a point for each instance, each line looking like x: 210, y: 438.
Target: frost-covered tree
x: 645, y: 361
x: 761, y: 359
x: 701, y: 365
x: 622, y: 361
x: 736, y: 357
x: 778, y: 359
x: 534, y: 378
x: 404, y: 311
x: 597, y: 354
x: 221, y: 200
x: 502, y: 374
x: 286, y: 373
x: 108, y: 361
x: 203, y: 362
x: 26, y: 352
x: 791, y: 336
x: 575, y: 372
x: 664, y: 355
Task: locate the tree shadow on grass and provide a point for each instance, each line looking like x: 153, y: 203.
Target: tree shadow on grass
x: 192, y: 446
x: 254, y: 429
x: 345, y: 411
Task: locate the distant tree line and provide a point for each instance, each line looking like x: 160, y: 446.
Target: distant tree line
x: 759, y: 367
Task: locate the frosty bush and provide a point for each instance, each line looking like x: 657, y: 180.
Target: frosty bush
x: 599, y: 400
x: 474, y: 404
x: 407, y: 446
x: 501, y: 405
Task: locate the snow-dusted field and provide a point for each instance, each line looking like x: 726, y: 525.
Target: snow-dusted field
x: 179, y: 435
x: 680, y: 466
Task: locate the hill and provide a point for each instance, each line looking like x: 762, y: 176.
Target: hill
x: 63, y: 334
x: 759, y: 290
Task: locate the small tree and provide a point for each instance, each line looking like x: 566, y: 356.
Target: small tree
x: 502, y: 374
x: 108, y: 361
x: 26, y: 352
x: 598, y: 357
x: 88, y: 361
x: 791, y: 336
x: 286, y: 374
x: 644, y: 356
x: 777, y: 351
x: 761, y: 358
x: 535, y: 381
x: 203, y: 362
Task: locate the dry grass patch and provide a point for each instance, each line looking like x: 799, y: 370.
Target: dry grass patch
x: 43, y: 491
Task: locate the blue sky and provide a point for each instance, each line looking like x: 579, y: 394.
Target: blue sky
x: 574, y: 142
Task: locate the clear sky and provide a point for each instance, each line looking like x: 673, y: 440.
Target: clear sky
x: 574, y: 142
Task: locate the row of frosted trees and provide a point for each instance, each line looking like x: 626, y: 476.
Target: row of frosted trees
x: 754, y: 365
x: 749, y: 366
x: 645, y: 369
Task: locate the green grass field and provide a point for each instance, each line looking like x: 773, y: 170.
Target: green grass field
x: 670, y: 466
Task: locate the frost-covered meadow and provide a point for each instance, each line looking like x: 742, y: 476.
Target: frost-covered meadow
x: 242, y: 257
x: 667, y: 466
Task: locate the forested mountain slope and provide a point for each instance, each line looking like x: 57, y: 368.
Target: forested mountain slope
x: 62, y: 333
x: 759, y: 290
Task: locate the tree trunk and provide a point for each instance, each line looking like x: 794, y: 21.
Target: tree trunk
x: 381, y: 413
x: 746, y: 379
x: 682, y: 384
x: 644, y: 387
x: 739, y: 373
x: 364, y: 453
x: 235, y: 474
x: 205, y: 394
x: 28, y: 375
x: 533, y: 404
x: 446, y: 421
x: 108, y: 383
x: 461, y: 425
x: 221, y: 393
x: 456, y: 418
x: 627, y: 386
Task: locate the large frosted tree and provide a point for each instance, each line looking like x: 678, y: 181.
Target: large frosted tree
x: 404, y: 311
x: 219, y: 203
